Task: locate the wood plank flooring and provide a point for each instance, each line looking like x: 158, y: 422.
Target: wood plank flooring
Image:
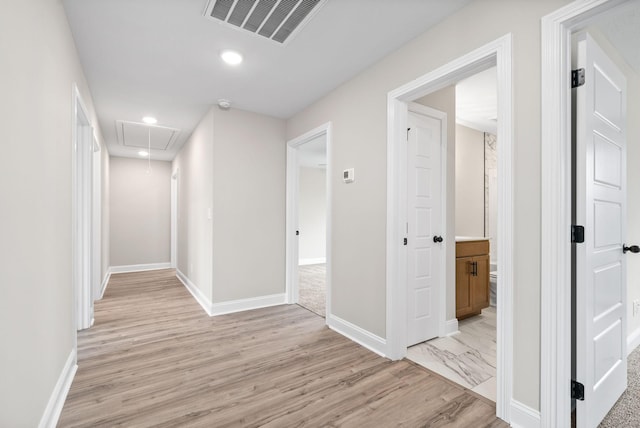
x: 154, y: 358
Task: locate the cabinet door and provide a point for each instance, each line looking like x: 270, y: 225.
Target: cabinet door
x: 480, y: 283
x: 464, y: 298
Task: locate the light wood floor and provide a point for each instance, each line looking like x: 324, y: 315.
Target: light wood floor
x: 154, y: 358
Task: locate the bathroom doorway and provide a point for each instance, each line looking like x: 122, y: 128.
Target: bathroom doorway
x: 496, y: 53
x: 467, y: 355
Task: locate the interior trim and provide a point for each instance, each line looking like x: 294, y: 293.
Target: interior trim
x: 496, y: 53
x: 60, y: 391
x: 555, y: 304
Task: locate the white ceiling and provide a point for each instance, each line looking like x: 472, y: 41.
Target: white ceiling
x: 161, y: 58
x: 622, y: 27
x: 477, y: 101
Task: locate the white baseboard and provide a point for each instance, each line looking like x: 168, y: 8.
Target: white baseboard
x: 357, y: 334
x: 451, y: 327
x: 138, y: 268
x: 232, y: 306
x: 523, y: 416
x: 196, y: 293
x: 633, y: 340
x: 59, y: 395
x: 105, y: 282
x: 316, y: 261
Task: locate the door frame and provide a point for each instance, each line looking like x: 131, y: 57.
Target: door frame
x: 174, y: 217
x: 555, y: 307
x: 292, y: 214
x: 498, y: 53
x: 444, y: 144
x: 81, y: 211
x: 96, y: 234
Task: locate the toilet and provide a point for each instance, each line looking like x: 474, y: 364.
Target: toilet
x: 493, y: 283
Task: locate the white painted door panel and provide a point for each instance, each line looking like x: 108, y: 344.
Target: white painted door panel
x: 423, y: 223
x: 601, y: 207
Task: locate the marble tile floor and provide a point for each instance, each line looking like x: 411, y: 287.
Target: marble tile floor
x: 467, y: 357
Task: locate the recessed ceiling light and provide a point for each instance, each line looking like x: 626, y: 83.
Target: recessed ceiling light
x: 150, y: 120
x: 231, y: 57
x: 143, y: 153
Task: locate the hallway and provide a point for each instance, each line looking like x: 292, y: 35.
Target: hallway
x: 154, y: 358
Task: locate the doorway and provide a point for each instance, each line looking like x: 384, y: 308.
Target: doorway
x: 467, y: 355
x: 308, y: 221
x: 498, y: 54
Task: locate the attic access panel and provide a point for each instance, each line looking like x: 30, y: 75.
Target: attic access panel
x: 277, y: 20
x: 134, y: 134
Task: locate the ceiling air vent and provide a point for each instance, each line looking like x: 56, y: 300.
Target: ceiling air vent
x: 277, y: 20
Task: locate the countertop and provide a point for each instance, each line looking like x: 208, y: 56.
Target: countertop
x: 470, y: 238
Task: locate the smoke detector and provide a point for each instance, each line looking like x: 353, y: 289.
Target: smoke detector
x: 224, y: 104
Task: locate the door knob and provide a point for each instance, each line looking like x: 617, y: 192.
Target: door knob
x: 437, y: 239
x: 633, y: 249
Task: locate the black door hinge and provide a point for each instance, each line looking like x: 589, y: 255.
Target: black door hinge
x: 577, y: 390
x: 297, y: 232
x: 405, y: 241
x: 408, y: 129
x: 577, y: 234
x: 577, y: 78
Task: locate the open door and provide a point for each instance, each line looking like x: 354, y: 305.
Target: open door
x: 425, y: 250
x: 600, y: 206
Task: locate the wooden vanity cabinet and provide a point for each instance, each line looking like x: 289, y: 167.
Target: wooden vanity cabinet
x: 472, y: 277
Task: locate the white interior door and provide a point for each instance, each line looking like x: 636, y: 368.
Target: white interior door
x: 601, y: 333
x: 424, y: 223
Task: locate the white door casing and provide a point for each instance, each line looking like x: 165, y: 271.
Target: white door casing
x: 96, y: 233
x: 601, y: 335
x: 426, y: 134
x: 82, y: 150
x: 292, y: 189
x: 174, y: 218
x: 498, y: 53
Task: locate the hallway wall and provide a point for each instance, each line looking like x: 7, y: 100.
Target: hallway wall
x: 140, y: 212
x: 194, y: 167
x: 37, y: 331
x: 231, y: 247
x: 249, y: 167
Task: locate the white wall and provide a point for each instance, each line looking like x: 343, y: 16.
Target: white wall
x: 39, y: 67
x: 358, y: 112
x: 194, y: 165
x: 231, y: 246
x: 312, y: 215
x: 140, y: 211
x: 469, y: 182
x: 445, y: 101
x: 249, y: 205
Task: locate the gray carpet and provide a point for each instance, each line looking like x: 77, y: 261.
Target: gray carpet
x: 626, y: 412
x: 312, y: 289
